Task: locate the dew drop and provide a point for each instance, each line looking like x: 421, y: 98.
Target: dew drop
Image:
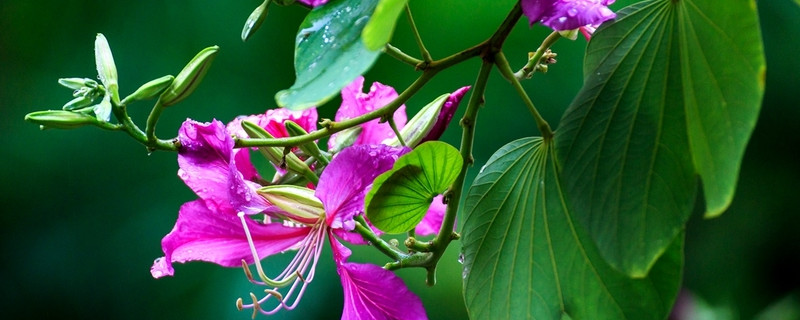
x: 572, y: 12
x: 461, y: 258
x: 562, y: 19
x: 465, y: 273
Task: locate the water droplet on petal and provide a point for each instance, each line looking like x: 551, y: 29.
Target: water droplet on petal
x: 572, y: 12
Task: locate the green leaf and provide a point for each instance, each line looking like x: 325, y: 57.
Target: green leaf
x: 380, y: 27
x: 525, y: 257
x: 672, y: 90
x: 400, y: 197
x: 329, y: 53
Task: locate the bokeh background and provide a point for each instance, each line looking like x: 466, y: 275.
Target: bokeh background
x: 83, y: 211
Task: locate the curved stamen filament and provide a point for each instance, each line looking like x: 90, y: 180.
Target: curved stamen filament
x: 299, y: 272
x: 257, y: 260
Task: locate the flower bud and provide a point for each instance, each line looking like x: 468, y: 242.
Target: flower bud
x: 81, y: 101
x: 188, y: 79
x: 60, y: 119
x: 106, y: 69
x: 77, y: 83
x: 344, y: 139
x: 272, y: 154
x: 418, y: 127
x: 279, y: 159
x: 299, y: 203
x: 309, y: 148
x: 149, y: 89
x: 103, y: 109
x: 255, y: 20
x: 448, y: 110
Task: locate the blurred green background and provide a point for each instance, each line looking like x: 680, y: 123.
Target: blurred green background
x: 84, y: 210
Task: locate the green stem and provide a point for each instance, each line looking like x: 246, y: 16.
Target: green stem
x: 453, y: 195
x: 383, y: 246
x: 426, y: 56
x: 152, y: 120
x: 398, y: 54
x: 137, y: 134
x: 330, y: 127
x: 505, y: 69
x: 396, y: 131
x: 530, y: 67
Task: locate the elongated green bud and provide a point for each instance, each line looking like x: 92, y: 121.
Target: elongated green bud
x: 106, y: 69
x: 345, y: 138
x: 190, y: 77
x: 255, y: 20
x: 299, y: 202
x: 81, y: 101
x: 288, y: 160
x: 272, y: 154
x: 421, y: 124
x: 310, y: 148
x: 149, y: 89
x: 60, y: 119
x: 77, y: 83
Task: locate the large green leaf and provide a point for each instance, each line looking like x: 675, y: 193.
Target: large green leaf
x: 637, y: 135
x: 400, y: 197
x: 329, y: 53
x: 525, y: 257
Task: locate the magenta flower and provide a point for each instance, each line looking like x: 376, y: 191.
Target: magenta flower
x: 448, y: 110
x: 563, y: 15
x: 208, y: 229
x: 313, y: 3
x: 370, y: 291
x: 356, y: 103
x: 273, y: 122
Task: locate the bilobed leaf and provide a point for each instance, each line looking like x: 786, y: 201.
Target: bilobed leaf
x: 525, y: 256
x: 672, y: 91
x: 400, y: 197
x: 329, y: 53
x: 380, y: 27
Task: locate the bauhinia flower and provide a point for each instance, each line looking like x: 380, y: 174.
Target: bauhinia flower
x: 273, y: 122
x: 208, y: 228
x: 370, y: 292
x: 562, y: 15
x: 356, y: 103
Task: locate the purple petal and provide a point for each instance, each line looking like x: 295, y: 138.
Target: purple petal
x: 207, y: 166
x: 307, y: 119
x: 201, y: 234
x: 370, y: 292
x: 346, y: 180
x: 432, y: 221
x: 356, y: 103
x: 242, y: 156
x: 567, y: 14
x: 273, y: 122
x: 313, y: 3
x: 448, y: 110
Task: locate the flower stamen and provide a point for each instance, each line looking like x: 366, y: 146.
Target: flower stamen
x: 299, y: 272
